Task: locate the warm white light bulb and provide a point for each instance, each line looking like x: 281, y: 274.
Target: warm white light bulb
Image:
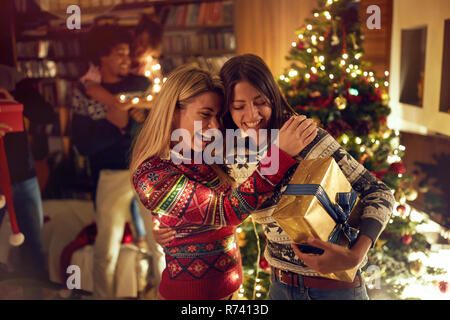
x: 156, y: 88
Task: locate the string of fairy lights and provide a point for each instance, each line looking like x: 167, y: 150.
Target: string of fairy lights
x: 154, y: 73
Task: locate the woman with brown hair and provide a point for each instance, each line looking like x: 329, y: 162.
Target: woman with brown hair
x: 254, y: 101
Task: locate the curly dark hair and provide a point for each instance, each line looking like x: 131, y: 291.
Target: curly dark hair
x: 102, y: 39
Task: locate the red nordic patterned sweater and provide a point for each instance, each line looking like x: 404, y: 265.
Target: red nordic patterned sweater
x: 203, y: 261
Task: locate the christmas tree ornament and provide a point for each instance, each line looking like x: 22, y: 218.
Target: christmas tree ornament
x: 242, y: 239
x: 399, y: 196
x: 407, y: 239
x: 379, y: 245
x: 340, y: 102
x: 416, y: 268
x: 397, y: 167
x: 315, y: 94
x: 263, y: 264
x: 411, y: 194
x: 401, y: 209
x: 443, y: 286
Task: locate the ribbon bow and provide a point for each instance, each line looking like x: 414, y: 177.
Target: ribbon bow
x: 339, y: 212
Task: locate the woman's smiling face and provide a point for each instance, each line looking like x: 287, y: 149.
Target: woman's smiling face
x: 250, y: 109
x: 203, y: 108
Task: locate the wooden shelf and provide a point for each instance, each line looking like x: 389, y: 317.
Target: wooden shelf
x: 198, y: 27
x: 66, y: 59
x: 199, y: 53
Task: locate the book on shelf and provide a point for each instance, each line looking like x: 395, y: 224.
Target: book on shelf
x: 215, y: 13
x: 192, y: 14
x: 41, y: 49
x: 181, y: 18
x: 198, y: 42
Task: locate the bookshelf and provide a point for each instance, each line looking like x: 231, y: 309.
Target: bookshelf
x: 195, y: 31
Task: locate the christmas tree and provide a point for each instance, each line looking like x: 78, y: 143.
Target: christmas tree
x: 328, y: 81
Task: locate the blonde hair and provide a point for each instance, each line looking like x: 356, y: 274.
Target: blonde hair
x: 183, y: 84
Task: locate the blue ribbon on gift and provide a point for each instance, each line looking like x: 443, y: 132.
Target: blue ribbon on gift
x: 340, y: 212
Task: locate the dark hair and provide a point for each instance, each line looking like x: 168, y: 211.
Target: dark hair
x: 154, y: 29
x: 102, y: 39
x: 251, y: 68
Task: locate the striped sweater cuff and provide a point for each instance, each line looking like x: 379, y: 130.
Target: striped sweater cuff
x: 371, y: 228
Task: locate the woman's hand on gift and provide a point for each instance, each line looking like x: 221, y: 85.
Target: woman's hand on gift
x: 162, y: 236
x: 296, y: 134
x: 334, y: 258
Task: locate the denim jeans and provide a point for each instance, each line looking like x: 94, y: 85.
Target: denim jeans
x: 30, y: 218
x: 137, y: 220
x: 281, y: 291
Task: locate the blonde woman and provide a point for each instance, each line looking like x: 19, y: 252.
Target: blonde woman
x: 195, y: 199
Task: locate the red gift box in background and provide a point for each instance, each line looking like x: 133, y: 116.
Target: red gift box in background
x: 11, y: 114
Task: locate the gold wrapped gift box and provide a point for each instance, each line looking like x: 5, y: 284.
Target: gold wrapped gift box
x: 304, y: 216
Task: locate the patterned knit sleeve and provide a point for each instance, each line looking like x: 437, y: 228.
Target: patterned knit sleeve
x: 375, y: 196
x: 179, y: 201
